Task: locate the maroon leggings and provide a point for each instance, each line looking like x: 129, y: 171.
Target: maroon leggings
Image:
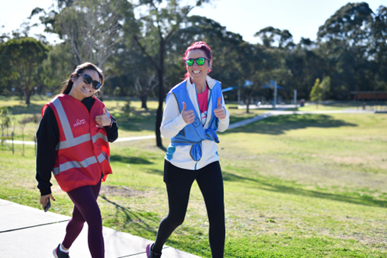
x: 86, y: 209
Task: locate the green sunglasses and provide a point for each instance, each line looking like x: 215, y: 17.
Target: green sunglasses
x: 199, y: 61
x: 88, y: 80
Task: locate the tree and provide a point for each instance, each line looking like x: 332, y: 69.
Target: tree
x: 305, y: 63
x: 91, y: 28
x: 22, y: 58
x: 143, y: 87
x: 349, y: 24
x: 53, y: 68
x: 5, y: 118
x: 325, y: 86
x: 378, y: 48
x: 343, y: 41
x: 162, y: 20
x: 132, y: 72
x: 320, y: 89
x: 270, y: 35
x: 316, y: 93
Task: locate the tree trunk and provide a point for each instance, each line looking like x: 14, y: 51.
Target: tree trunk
x: 27, y: 95
x: 144, y: 98
x: 247, y: 105
x: 159, y: 114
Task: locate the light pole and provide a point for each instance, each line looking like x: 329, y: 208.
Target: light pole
x: 295, y: 98
x: 275, y: 94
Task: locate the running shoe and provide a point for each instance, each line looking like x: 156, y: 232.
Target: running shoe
x: 59, y: 254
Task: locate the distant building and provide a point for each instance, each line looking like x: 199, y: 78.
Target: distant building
x: 371, y: 95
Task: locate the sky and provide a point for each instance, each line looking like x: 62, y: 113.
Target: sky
x: 246, y: 17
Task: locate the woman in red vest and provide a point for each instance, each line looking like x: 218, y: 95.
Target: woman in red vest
x: 73, y: 143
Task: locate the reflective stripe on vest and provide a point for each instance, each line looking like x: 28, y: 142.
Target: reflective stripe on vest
x: 82, y: 164
x: 75, y: 164
x: 99, y: 136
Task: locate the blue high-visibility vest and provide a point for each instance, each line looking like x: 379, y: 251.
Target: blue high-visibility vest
x: 193, y: 134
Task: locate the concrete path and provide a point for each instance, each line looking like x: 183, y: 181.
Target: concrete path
x: 32, y: 233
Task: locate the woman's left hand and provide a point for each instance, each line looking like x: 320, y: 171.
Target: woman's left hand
x: 219, y: 111
x: 104, y: 119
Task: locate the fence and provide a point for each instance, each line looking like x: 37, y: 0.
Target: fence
x: 8, y: 143
x: 6, y: 138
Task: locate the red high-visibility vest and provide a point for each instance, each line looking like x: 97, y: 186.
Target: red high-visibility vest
x: 83, y: 153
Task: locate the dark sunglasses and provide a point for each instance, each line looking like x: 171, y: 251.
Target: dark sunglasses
x: 199, y: 61
x: 88, y: 80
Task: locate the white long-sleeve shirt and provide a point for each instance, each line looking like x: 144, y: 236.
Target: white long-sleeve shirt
x: 173, y: 123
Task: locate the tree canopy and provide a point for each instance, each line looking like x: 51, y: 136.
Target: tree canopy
x: 20, y: 60
x: 140, y: 47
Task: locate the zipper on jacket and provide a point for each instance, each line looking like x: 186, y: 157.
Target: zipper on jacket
x: 208, y: 104
x: 200, y: 112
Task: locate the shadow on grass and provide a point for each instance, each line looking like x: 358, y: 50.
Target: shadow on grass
x: 138, y: 120
x: 234, y: 178
x: 265, y: 184
x: 24, y: 109
x: 155, y: 172
x: 276, y: 125
x: 130, y: 160
x: 132, y: 217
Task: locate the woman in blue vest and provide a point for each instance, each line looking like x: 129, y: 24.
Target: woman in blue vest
x: 194, y: 112
x: 73, y: 143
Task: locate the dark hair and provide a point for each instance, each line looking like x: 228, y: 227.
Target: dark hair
x: 68, y: 84
x: 200, y: 45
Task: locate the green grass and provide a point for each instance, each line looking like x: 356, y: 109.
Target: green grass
x: 295, y: 186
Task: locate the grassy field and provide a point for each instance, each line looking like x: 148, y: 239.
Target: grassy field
x: 295, y: 185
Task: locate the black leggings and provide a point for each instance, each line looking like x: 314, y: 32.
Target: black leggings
x: 178, y: 182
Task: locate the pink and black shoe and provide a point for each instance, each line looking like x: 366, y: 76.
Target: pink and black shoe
x: 150, y: 253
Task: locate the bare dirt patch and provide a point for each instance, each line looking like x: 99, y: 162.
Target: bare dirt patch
x: 112, y: 190
x: 120, y: 191
x: 351, y: 160
x: 366, y: 138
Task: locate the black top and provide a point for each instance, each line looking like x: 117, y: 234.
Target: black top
x: 47, y: 139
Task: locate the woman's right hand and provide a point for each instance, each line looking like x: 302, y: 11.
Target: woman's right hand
x: 44, y: 199
x: 188, y: 115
